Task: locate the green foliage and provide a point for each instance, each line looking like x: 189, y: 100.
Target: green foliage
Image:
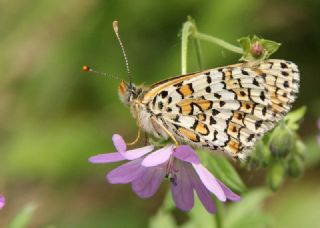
x: 248, y: 212
x: 223, y: 170
x: 281, y: 152
x: 245, y: 213
x: 293, y: 119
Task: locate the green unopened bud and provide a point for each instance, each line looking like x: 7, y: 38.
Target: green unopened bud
x: 256, y: 157
x: 300, y: 148
x: 252, y: 163
x: 295, y: 167
x: 260, y: 156
x: 281, y: 142
x: 275, y: 176
x: 266, y: 155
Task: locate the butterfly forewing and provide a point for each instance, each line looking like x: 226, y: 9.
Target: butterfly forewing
x: 226, y: 108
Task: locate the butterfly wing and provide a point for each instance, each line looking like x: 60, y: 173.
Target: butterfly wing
x: 226, y: 108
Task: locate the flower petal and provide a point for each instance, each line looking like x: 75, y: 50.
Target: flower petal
x: 202, y: 192
x: 230, y: 194
x: 158, y: 157
x: 106, y: 158
x: 119, y: 143
x: 181, y: 187
x: 2, y: 201
x: 137, y: 153
x: 187, y: 154
x: 148, y: 182
x: 125, y: 173
x: 210, y: 181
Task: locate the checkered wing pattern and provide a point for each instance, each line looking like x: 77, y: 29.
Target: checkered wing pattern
x: 226, y: 108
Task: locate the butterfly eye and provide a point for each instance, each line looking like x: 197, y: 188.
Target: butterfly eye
x: 122, y: 88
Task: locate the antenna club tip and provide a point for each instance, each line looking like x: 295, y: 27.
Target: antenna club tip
x: 86, y: 68
x: 115, y: 26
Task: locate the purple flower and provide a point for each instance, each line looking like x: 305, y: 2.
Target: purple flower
x: 145, y: 171
x: 2, y: 201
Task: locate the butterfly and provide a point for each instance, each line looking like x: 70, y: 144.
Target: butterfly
x: 227, y: 108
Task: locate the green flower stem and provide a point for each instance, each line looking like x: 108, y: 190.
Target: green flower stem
x: 189, y: 29
x: 186, y: 29
x: 217, y: 41
x: 219, y: 214
x: 198, y: 52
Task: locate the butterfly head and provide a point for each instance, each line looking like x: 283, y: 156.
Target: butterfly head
x: 127, y: 92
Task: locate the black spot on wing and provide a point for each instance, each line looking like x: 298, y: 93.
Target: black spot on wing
x: 164, y: 94
x: 255, y: 82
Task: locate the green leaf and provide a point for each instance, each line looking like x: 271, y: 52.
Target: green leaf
x: 245, y: 43
x: 270, y: 47
x: 23, y: 217
x: 223, y: 170
x: 300, y: 148
x: 293, y: 118
x: 247, y: 212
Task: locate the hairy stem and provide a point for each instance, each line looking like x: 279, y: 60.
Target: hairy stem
x: 217, y: 41
x: 186, y: 29
x: 197, y: 46
x: 189, y: 29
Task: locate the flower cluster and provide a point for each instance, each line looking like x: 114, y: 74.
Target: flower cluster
x: 146, y: 168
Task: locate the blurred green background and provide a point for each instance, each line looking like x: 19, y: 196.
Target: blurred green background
x: 53, y: 116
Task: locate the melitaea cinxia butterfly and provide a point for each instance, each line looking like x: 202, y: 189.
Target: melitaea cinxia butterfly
x: 226, y: 108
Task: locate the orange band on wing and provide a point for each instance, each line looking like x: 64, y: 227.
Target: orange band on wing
x: 189, y: 134
x: 158, y: 87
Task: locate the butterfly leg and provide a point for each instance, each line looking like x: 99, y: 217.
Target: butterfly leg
x: 156, y: 123
x: 146, y: 139
x: 136, y: 139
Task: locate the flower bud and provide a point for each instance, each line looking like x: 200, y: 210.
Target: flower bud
x: 281, y: 142
x: 275, y: 176
x: 295, y: 167
x: 300, y: 148
x: 256, y: 49
x: 260, y: 156
x: 266, y: 155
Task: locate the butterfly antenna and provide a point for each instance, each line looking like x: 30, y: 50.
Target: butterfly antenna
x: 116, y: 31
x: 90, y: 69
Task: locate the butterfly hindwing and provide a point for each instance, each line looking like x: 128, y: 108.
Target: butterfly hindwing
x: 226, y: 108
